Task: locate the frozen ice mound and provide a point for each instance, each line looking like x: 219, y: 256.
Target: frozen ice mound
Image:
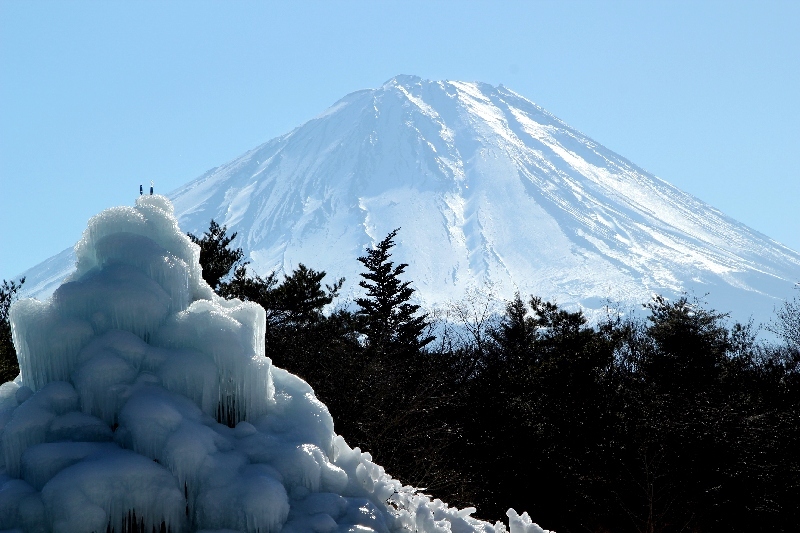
x: 146, y: 401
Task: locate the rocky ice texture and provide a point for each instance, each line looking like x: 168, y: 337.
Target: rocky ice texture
x: 144, y: 398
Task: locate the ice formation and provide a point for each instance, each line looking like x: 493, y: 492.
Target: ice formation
x: 146, y: 403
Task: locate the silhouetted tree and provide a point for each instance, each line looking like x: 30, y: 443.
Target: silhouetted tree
x: 542, y: 398
x: 388, y: 319
x: 217, y: 258
x: 249, y: 287
x: 9, y: 366
x: 298, y: 334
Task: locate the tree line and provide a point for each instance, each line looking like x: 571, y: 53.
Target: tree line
x: 670, y: 421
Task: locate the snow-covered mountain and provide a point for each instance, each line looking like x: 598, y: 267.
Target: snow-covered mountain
x: 490, y: 190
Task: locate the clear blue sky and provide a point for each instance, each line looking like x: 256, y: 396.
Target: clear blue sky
x: 98, y: 97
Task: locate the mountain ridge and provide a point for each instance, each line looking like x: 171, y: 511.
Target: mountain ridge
x: 490, y: 189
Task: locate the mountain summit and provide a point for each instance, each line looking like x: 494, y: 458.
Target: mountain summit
x: 489, y: 190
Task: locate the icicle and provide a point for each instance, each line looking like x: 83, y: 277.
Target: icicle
x: 30, y: 421
x: 245, y: 382
x: 102, y: 489
x: 47, y: 344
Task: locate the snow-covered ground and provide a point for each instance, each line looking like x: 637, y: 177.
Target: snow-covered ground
x: 490, y: 190
x: 143, y: 394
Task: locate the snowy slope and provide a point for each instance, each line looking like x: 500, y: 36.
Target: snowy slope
x: 490, y: 190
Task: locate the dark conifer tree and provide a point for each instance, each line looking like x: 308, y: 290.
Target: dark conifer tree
x: 298, y: 333
x: 301, y: 298
x: 248, y: 287
x: 683, y: 416
x: 217, y: 258
x: 387, y: 317
x: 516, y: 332
x: 398, y: 395
x: 692, y: 343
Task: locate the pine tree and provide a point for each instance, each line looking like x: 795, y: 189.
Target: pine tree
x: 249, y: 287
x: 216, y: 257
x: 301, y: 298
x: 387, y: 318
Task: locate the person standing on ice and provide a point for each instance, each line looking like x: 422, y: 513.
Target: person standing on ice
x: 141, y: 190
x: 151, y: 187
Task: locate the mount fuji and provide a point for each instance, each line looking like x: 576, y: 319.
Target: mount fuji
x: 492, y: 193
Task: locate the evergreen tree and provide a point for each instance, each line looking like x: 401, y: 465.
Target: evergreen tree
x: 9, y: 366
x: 388, y: 319
x: 547, y: 376
x: 298, y: 333
x: 683, y: 418
x: 396, y: 398
x: 516, y: 332
x: 216, y: 257
x: 295, y: 302
x: 691, y: 342
x: 301, y: 298
x: 249, y: 287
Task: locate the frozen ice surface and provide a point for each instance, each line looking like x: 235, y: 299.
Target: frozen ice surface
x: 522, y: 524
x: 145, y: 397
